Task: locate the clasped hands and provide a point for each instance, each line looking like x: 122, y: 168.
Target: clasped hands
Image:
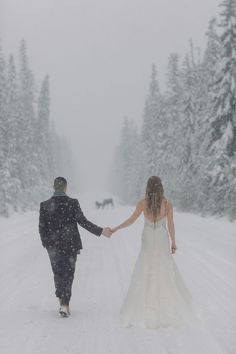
x: 108, y: 231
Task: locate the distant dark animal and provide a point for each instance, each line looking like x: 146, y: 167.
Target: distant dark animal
x: 105, y: 203
x: 98, y: 205
x: 108, y: 202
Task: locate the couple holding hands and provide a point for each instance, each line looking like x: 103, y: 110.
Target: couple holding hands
x: 157, y: 296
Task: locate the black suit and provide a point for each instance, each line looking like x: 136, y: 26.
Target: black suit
x: 60, y: 235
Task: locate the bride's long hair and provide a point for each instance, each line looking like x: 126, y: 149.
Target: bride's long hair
x: 154, y: 195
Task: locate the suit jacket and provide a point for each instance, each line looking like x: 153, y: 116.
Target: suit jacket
x: 58, y: 224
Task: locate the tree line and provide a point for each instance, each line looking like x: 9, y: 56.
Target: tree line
x: 31, y: 152
x: 188, y: 132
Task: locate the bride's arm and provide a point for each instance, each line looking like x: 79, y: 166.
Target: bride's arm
x: 131, y: 219
x: 171, y: 227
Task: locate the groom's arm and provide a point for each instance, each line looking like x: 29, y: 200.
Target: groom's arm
x: 86, y: 224
x: 42, y: 225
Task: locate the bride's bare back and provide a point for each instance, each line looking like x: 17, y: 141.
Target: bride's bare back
x: 166, y: 210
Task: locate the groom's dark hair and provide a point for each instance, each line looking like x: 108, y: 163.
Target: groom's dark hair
x: 60, y: 183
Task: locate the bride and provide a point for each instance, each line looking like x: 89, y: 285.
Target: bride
x: 157, y: 296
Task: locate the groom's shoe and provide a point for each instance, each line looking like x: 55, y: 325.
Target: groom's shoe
x: 64, y: 311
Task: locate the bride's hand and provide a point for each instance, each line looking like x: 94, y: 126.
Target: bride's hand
x: 114, y: 229
x: 173, y: 248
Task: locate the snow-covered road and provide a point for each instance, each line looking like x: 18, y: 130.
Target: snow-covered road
x: 30, y: 324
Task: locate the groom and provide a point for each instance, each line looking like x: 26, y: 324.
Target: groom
x: 59, y: 234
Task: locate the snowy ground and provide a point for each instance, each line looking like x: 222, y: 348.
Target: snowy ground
x: 29, y: 322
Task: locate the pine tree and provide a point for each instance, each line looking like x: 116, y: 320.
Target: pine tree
x: 222, y: 147
x: 42, y: 139
x: 4, y: 173
x: 211, y: 58
x: 153, y: 124
x: 187, y: 126
x: 127, y: 169
x: 224, y: 110
x: 208, y: 88
x: 12, y: 158
x: 28, y: 155
x: 174, y: 135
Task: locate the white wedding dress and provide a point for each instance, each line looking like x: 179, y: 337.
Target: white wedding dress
x: 157, y: 296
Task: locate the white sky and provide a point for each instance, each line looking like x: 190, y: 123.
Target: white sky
x: 99, y: 55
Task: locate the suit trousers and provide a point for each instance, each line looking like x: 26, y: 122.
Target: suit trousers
x: 63, y: 267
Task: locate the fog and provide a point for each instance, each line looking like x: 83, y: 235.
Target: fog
x: 98, y: 55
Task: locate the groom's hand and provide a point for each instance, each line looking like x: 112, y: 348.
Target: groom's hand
x: 107, y: 232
